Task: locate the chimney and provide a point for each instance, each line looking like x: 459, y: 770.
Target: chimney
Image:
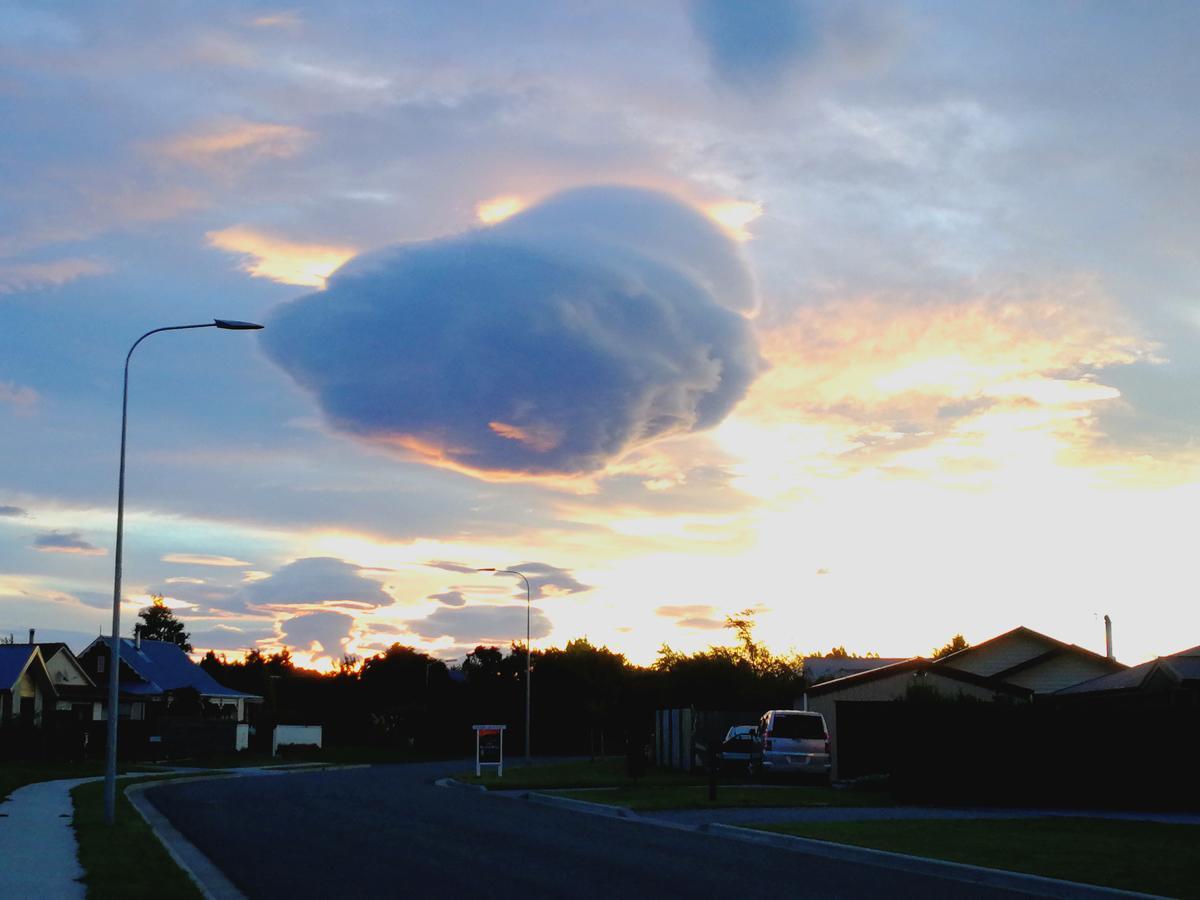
x: 137, y: 636
x: 1108, y: 637
x: 31, y: 635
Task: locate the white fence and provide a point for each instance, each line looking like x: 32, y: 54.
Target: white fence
x: 286, y: 735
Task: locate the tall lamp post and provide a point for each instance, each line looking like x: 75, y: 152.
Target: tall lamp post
x: 110, y: 767
x: 521, y: 575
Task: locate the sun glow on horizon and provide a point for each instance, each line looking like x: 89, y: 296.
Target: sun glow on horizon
x: 278, y: 259
x: 497, y: 209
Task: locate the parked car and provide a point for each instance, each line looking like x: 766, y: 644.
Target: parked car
x: 791, y: 741
x: 738, y: 747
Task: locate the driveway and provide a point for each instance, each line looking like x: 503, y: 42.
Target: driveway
x: 389, y: 831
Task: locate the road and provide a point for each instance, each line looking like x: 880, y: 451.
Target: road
x: 389, y: 831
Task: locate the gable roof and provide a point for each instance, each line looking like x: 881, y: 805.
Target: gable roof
x: 1182, y: 668
x: 1054, y: 647
x: 165, y: 667
x: 914, y: 665
x: 823, y: 668
x: 15, y: 659
x: 50, y: 650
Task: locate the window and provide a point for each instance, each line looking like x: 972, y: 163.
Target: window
x: 799, y: 727
x: 100, y: 661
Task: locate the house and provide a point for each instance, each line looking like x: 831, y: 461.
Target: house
x: 896, y: 682
x: 76, y: 693
x: 1030, y: 659
x: 1016, y: 666
x: 155, y: 672
x: 26, y: 691
x: 1179, y: 672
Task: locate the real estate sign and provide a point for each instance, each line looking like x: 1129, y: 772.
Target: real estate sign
x: 489, y: 747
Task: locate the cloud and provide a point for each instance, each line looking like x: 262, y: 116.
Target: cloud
x: 205, y: 559
x: 329, y: 629
x: 228, y: 637
x: 481, y: 624
x: 546, y: 580
x: 316, y: 581
x: 12, y: 512
x: 15, y: 277
x: 288, y: 262
x: 695, y: 615
x: 754, y: 42
x: 18, y: 396
x: 66, y: 542
x: 550, y: 344
x: 754, y: 45
x: 449, y: 566
x: 236, y: 142
x: 450, y: 598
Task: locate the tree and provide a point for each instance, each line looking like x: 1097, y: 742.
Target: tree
x: 958, y: 642
x: 160, y: 624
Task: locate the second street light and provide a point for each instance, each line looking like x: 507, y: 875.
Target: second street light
x: 110, y: 758
x: 528, y: 602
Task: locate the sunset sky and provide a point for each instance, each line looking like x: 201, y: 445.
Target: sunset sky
x: 879, y: 319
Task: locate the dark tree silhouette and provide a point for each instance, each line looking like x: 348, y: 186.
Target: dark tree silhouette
x: 159, y: 624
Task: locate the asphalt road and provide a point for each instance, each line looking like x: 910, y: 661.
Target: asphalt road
x: 388, y: 831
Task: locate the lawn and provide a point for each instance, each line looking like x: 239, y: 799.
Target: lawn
x: 608, y: 772
x: 695, y: 796
x: 124, y: 860
x: 1140, y: 856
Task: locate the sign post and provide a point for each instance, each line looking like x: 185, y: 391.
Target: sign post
x: 489, y: 747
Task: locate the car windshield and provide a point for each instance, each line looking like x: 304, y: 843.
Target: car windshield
x: 798, y: 727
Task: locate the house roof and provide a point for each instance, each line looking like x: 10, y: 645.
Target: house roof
x: 165, y: 667
x: 914, y: 665
x: 50, y: 649
x: 1182, y: 667
x: 14, y: 660
x: 823, y: 668
x: 1054, y: 647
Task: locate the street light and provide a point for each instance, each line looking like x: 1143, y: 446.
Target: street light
x: 110, y: 767
x: 527, y: 647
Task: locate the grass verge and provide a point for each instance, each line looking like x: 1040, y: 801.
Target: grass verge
x: 1139, y: 856
x: 124, y: 860
x: 694, y: 796
x: 600, y: 773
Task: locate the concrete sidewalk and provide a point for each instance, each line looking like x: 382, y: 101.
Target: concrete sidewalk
x: 37, y: 838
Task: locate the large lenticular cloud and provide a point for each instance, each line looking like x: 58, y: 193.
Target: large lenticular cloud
x: 599, y: 320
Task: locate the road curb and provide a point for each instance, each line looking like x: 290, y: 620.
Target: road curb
x: 595, y: 809
x: 455, y: 783
x: 209, y: 880
x: 920, y: 865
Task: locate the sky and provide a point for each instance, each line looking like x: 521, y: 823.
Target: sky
x: 877, y: 319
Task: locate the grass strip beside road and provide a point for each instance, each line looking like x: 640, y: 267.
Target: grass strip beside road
x: 646, y: 798
x: 1151, y: 857
x: 124, y: 861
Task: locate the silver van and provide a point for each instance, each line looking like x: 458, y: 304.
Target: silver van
x: 791, y: 741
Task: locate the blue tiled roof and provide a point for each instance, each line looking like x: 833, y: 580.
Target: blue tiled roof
x: 167, y: 668
x: 13, y: 658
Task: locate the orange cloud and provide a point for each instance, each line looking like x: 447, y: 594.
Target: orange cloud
x: 238, y: 140
x: 281, y: 260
